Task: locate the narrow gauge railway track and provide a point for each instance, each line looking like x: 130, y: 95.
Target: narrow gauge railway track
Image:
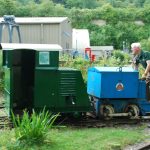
x: 139, y: 146
x: 95, y: 123
x: 144, y: 147
x: 88, y: 121
x: 5, y: 121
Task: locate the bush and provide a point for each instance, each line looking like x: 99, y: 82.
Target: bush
x: 146, y: 44
x: 34, y: 128
x: 121, y: 56
x: 119, y: 59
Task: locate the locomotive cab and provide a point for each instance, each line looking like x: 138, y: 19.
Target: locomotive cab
x: 19, y: 63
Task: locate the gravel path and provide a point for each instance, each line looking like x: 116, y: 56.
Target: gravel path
x: 139, y: 146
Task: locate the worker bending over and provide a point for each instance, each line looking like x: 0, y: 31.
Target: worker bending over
x: 143, y: 58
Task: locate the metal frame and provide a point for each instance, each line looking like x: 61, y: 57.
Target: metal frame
x: 9, y: 21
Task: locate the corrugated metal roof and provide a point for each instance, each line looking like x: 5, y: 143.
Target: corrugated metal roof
x: 35, y: 20
x: 37, y: 47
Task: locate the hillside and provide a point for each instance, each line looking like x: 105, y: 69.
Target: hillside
x: 110, y: 22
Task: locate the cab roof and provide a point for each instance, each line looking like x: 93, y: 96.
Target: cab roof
x: 36, y: 47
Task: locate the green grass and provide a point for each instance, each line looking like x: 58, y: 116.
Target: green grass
x: 77, y: 139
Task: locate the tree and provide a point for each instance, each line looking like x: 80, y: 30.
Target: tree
x: 48, y: 8
x: 146, y: 14
x: 8, y: 7
x: 26, y: 10
x: 139, y: 3
x: 37, y: 1
x: 147, y: 2
x: 24, y: 2
x: 81, y: 3
x: 89, y: 4
x: 59, y: 1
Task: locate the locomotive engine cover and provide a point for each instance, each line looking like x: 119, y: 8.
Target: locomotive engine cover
x: 113, y: 82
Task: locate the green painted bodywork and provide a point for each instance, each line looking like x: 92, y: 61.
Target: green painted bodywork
x: 33, y: 79
x: 60, y: 90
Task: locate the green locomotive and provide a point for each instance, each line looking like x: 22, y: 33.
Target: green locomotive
x: 33, y: 79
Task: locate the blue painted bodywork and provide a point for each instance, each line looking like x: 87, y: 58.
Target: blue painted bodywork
x: 102, y: 83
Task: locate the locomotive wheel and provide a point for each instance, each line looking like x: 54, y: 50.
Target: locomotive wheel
x: 133, y: 111
x: 106, y: 110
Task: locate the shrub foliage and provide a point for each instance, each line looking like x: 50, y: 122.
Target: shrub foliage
x: 33, y: 128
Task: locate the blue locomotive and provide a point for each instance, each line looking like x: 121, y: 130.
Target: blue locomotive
x: 117, y: 91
